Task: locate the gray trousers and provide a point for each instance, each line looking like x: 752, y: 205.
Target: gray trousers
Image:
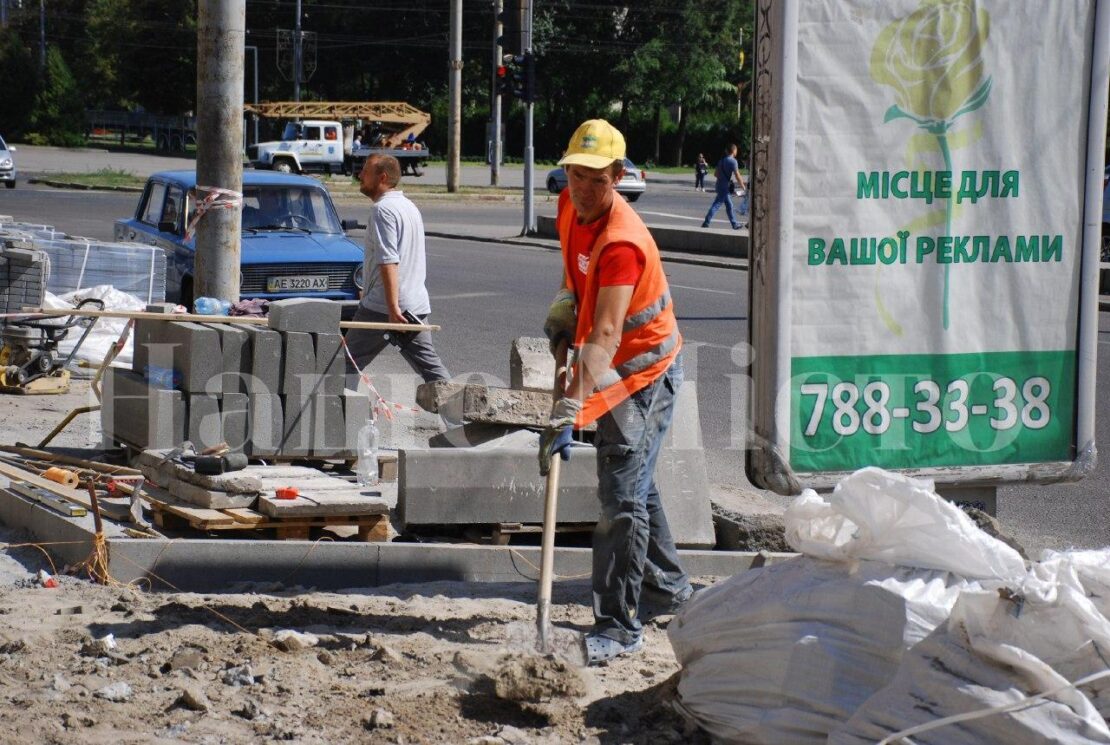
x: 418, y: 350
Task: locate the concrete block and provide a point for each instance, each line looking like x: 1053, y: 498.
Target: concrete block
x: 356, y: 413
x: 305, y: 314
x: 136, y: 414
x: 492, y: 485
x: 163, y: 308
x: 204, y: 428
x: 235, y: 353
x: 267, y: 364
x: 234, y: 413
x: 299, y: 376
x: 467, y: 486
x: 329, y: 430
x: 475, y: 434
x: 330, y: 363
x: 324, y: 503
x: 264, y: 425
x: 486, y: 404
x: 531, y: 366
x: 297, y: 426
x: 201, y: 497
x: 191, y: 350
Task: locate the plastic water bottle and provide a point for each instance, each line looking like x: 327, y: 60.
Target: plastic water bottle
x: 210, y: 306
x: 367, y: 466
x: 161, y: 377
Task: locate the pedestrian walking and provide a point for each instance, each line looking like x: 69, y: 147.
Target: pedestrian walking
x: 727, y: 174
x: 394, y: 272
x: 701, y: 167
x: 614, y: 306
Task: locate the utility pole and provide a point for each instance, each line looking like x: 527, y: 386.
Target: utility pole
x: 42, y: 36
x: 298, y: 55
x: 495, y: 100
x: 454, y: 109
x: 529, y: 149
x: 221, y: 36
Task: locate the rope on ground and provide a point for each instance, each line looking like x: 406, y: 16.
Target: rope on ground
x: 1024, y: 703
x: 522, y: 557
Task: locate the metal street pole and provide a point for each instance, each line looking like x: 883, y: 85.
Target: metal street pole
x: 529, y: 149
x: 298, y: 55
x: 454, y: 109
x: 221, y: 33
x: 254, y: 50
x: 495, y: 100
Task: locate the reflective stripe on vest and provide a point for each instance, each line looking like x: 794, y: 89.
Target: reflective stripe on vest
x: 649, y: 357
x: 639, y: 318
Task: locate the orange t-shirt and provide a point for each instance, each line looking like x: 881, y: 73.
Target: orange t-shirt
x: 619, y: 263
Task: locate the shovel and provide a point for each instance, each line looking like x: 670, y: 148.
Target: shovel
x: 550, y: 503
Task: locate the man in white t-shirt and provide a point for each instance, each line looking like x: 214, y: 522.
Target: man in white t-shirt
x: 394, y: 271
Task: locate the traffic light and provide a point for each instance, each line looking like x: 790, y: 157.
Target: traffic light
x: 516, y: 77
x: 512, y: 26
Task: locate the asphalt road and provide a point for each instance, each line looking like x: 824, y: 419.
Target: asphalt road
x: 487, y: 292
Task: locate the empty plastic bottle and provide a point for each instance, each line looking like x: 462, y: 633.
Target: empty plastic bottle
x: 210, y: 306
x: 367, y: 466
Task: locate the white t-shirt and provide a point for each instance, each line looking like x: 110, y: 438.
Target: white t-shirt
x: 395, y: 235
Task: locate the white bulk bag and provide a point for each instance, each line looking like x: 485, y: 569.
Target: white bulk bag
x: 995, y: 650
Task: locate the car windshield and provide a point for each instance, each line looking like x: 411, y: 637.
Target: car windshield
x: 3, y: 145
x: 304, y: 208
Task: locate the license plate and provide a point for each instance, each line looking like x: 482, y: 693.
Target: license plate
x: 311, y: 283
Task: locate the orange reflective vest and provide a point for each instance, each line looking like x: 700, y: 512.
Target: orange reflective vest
x: 650, y: 339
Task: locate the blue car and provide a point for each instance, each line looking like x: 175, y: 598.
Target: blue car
x: 294, y: 244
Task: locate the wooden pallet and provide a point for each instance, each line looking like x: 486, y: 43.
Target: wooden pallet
x: 172, y: 514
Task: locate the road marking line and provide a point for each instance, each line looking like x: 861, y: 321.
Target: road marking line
x: 705, y: 289
x: 466, y: 295
x: 668, y: 214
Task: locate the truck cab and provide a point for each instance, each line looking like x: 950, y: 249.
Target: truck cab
x: 311, y: 145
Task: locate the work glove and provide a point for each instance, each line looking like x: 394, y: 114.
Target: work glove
x: 559, y: 433
x: 562, y: 320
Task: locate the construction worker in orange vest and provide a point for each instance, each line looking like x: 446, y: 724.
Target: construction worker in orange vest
x: 614, y: 307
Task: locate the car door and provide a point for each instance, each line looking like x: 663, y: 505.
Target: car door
x: 171, y: 238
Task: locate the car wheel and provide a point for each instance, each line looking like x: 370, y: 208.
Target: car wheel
x: 284, y: 166
x: 631, y: 197
x: 553, y: 186
x: 10, y: 184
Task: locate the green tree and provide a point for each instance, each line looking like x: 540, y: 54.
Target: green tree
x: 59, y: 115
x: 18, y: 79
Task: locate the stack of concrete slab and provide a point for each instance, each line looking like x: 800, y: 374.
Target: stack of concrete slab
x: 320, y: 495
x: 274, y: 391
x: 22, y: 276
x: 486, y: 471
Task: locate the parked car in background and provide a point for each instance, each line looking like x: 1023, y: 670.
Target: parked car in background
x: 7, y: 164
x: 294, y: 244
x: 631, y: 186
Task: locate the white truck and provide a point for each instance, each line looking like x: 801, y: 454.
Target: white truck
x: 330, y: 146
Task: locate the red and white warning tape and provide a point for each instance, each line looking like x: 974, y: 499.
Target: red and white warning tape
x: 214, y: 198
x: 381, y: 406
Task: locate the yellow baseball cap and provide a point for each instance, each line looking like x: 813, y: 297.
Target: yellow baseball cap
x: 595, y: 144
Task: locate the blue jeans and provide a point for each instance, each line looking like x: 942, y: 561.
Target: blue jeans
x: 723, y: 197
x: 632, y: 543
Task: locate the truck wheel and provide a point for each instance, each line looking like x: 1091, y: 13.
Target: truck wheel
x: 283, y: 165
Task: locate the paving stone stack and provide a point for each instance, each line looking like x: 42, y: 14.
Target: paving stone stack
x: 266, y: 391
x: 23, y: 270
